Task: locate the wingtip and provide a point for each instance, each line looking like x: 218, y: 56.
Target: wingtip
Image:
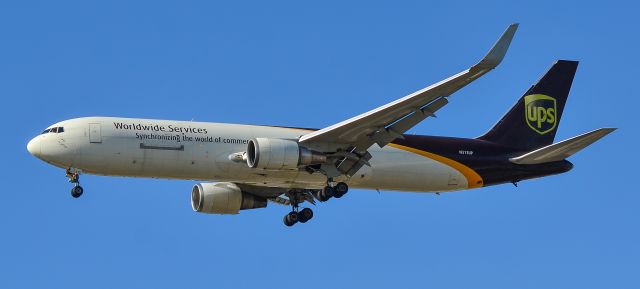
x: 603, y: 131
x: 499, y: 49
x: 609, y: 129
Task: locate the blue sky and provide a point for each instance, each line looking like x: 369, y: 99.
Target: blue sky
x: 312, y: 65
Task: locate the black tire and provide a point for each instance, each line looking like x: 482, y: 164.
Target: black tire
x: 326, y: 193
x: 342, y: 188
x: 305, y: 215
x: 287, y: 222
x: 77, y: 191
x: 293, y: 217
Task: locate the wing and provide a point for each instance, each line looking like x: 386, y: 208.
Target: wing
x: 388, y: 122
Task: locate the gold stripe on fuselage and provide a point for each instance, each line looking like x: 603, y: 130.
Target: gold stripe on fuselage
x: 474, y: 180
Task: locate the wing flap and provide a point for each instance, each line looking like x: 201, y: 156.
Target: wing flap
x: 384, y: 136
x: 561, y: 150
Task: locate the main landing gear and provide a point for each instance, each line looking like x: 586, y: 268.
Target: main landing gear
x: 74, y: 178
x: 297, y: 215
x: 336, y: 191
x: 296, y: 197
x: 301, y: 216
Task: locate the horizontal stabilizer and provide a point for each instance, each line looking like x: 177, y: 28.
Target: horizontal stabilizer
x: 561, y: 150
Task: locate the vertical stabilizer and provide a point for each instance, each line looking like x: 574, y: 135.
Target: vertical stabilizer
x: 533, y: 121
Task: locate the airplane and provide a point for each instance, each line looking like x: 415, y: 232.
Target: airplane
x: 253, y: 165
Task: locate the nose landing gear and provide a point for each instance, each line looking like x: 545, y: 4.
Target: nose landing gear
x: 74, y: 177
x: 77, y: 191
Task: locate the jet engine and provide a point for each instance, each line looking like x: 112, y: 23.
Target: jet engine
x: 280, y: 154
x: 223, y: 198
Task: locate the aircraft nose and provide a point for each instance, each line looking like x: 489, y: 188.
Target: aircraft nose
x: 34, y: 147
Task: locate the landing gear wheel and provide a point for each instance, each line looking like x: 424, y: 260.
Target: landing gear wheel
x: 290, y: 219
x: 305, y: 215
x: 341, y: 189
x: 326, y: 194
x: 77, y: 191
x: 297, y: 197
x: 287, y: 222
x: 74, y: 177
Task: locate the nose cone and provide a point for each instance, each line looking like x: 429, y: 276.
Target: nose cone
x: 34, y: 147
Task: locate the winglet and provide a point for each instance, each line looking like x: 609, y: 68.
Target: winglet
x: 498, y: 51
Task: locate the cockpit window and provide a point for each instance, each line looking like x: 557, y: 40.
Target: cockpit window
x: 54, y: 130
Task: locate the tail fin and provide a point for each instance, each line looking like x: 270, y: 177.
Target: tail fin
x: 533, y: 121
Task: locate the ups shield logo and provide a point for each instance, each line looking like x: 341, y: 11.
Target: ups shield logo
x: 540, y: 112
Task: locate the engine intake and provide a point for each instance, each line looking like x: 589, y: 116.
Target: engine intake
x: 223, y: 198
x: 280, y: 154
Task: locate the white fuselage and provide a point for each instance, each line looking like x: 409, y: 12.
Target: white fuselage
x: 200, y: 151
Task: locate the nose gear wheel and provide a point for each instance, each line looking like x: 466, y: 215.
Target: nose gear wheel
x: 74, y: 177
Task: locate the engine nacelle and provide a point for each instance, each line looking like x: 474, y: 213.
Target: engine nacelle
x: 280, y: 154
x: 223, y: 198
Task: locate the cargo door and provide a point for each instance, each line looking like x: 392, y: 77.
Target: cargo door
x: 95, y: 135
